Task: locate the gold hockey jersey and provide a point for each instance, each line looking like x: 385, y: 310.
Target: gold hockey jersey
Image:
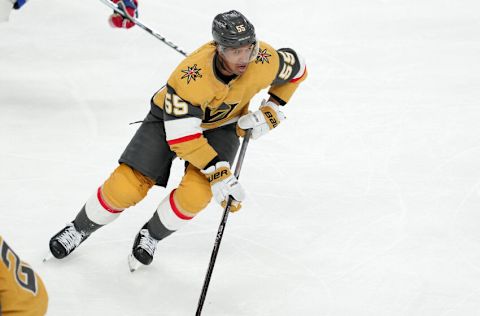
x: 195, y: 98
x: 22, y: 292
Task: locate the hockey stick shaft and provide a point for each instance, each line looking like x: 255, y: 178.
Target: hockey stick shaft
x: 143, y: 26
x: 221, y: 228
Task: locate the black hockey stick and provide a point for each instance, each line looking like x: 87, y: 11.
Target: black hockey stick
x: 221, y: 228
x: 143, y: 26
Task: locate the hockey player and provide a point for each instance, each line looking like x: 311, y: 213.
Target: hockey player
x: 130, y: 7
x: 194, y: 117
x: 21, y: 290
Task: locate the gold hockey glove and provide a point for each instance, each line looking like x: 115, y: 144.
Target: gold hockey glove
x: 223, y: 183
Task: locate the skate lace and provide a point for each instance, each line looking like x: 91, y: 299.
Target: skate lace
x: 70, y: 238
x: 147, y: 242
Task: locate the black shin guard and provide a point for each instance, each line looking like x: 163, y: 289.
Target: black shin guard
x: 156, y: 228
x: 84, y: 224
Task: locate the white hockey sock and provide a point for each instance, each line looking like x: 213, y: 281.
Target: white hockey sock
x: 98, y: 211
x: 169, y: 214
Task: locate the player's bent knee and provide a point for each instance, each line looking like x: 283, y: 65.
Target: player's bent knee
x: 125, y: 187
x: 193, y: 199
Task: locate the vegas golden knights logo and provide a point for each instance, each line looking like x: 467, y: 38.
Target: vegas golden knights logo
x: 263, y: 56
x: 191, y: 73
x: 219, y: 113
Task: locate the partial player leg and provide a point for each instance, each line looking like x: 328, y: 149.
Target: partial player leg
x: 192, y: 195
x: 124, y: 188
x: 146, y: 161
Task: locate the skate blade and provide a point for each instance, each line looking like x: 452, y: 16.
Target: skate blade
x: 47, y: 257
x: 133, y: 263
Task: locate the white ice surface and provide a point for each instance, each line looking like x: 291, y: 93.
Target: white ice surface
x: 364, y: 202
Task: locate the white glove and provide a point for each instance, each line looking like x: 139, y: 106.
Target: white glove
x: 266, y: 118
x: 223, y: 183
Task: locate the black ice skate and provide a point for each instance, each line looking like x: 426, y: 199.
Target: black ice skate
x: 66, y: 241
x: 143, y: 249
